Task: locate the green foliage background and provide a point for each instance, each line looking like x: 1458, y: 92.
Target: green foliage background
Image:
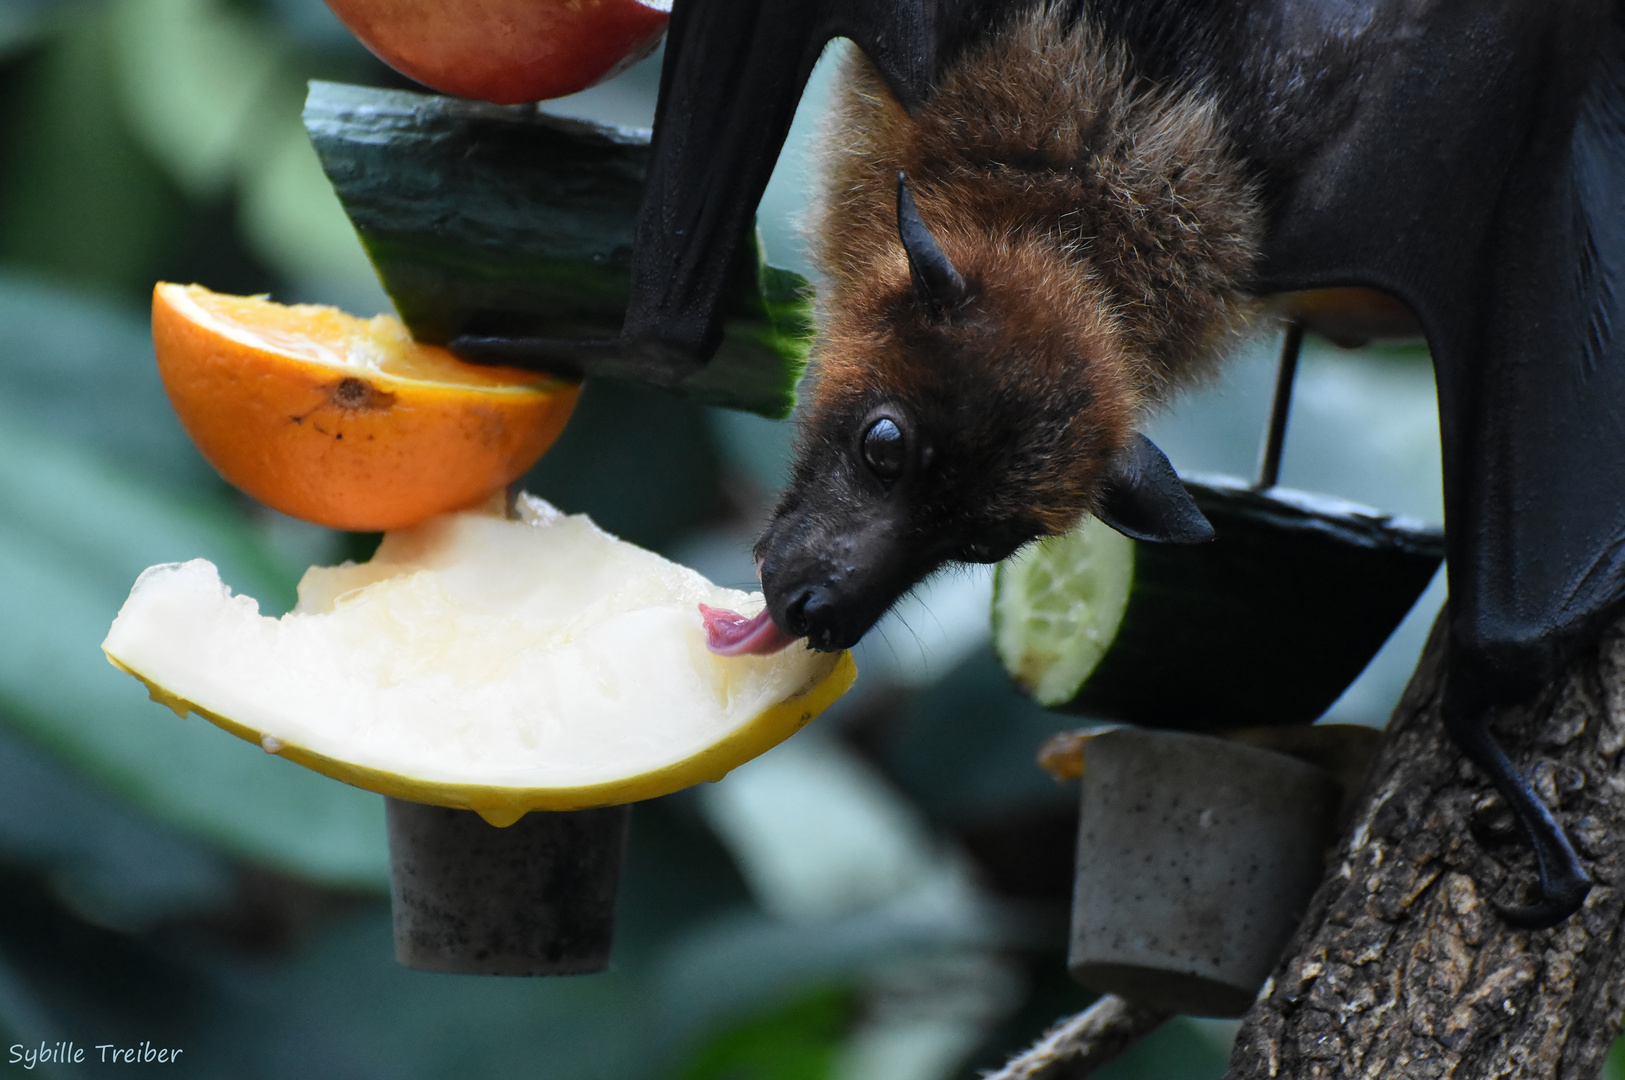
x: 881, y: 899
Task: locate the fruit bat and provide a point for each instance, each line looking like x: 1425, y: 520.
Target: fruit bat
x: 1041, y: 218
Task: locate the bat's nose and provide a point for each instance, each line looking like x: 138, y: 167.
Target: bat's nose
x: 813, y: 613
x: 808, y: 615
x: 795, y: 612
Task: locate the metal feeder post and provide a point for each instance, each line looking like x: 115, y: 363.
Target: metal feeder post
x: 1286, y: 373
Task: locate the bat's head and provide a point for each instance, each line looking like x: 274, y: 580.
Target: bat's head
x: 963, y: 406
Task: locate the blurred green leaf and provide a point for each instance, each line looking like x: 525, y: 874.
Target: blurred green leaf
x: 294, y: 221
x: 215, y: 95
x: 131, y: 129
x: 192, y: 73
x: 1182, y: 1048
x: 1614, y: 1067
x: 796, y: 1041
x: 83, y: 370
x: 22, y: 22
x: 720, y: 970
x: 352, y: 1011
x: 74, y: 534
x: 818, y: 833
x: 339, y: 1006
x: 79, y: 198
x: 108, y: 862
x: 677, y: 875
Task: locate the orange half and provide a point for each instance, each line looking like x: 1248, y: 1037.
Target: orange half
x: 342, y: 421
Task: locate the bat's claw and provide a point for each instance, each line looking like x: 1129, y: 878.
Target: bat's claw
x: 636, y: 360
x: 1564, y: 882
x: 1560, y: 897
x: 563, y: 357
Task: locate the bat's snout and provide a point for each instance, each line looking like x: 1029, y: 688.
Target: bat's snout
x: 831, y: 587
x: 815, y: 607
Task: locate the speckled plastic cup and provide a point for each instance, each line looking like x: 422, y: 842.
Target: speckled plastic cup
x: 1196, y: 859
x: 535, y: 898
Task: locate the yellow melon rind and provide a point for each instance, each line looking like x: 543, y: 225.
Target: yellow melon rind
x: 504, y: 805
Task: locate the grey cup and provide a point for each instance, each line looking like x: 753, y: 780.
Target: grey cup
x: 1196, y: 859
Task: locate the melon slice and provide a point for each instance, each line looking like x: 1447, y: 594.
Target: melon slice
x: 479, y: 661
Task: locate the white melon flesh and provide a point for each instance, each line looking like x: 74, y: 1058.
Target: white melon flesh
x: 501, y: 665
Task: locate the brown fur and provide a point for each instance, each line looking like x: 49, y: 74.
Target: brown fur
x: 1104, y: 227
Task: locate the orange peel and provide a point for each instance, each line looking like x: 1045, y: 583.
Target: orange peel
x: 342, y: 421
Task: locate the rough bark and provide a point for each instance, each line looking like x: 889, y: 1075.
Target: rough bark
x: 1402, y: 967
x: 1080, y: 1044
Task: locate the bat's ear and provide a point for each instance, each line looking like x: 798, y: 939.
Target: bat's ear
x: 1142, y: 498
x: 939, y: 285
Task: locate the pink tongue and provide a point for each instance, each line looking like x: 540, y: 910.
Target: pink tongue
x: 728, y: 633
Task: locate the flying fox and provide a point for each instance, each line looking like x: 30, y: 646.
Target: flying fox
x: 1041, y: 218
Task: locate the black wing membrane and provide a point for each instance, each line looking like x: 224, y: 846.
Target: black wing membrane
x: 1480, y: 182
x: 1480, y: 177
x: 733, y: 74
x: 1538, y: 470
x: 1535, y: 464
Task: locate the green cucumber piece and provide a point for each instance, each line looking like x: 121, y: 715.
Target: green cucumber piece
x: 1266, y: 625
x: 1057, y: 608
x: 503, y: 219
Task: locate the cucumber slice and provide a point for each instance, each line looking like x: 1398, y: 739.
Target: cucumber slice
x: 1057, y: 605
x: 1266, y: 625
x: 502, y: 219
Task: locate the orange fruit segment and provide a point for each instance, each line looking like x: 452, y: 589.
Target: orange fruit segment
x: 342, y: 421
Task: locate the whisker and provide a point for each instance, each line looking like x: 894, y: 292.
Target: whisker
x: 919, y: 643
x: 880, y: 632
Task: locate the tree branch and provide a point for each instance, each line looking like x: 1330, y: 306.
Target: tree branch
x: 1083, y: 1043
x: 1402, y: 966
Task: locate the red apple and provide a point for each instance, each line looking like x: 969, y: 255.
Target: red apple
x: 507, y: 51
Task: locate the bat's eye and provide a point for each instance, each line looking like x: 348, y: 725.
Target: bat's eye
x: 980, y: 553
x: 996, y: 544
x: 988, y: 551
x: 884, y: 450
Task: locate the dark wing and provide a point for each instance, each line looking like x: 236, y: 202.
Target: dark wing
x: 734, y: 72
x: 1476, y: 170
x: 1479, y: 175
x: 1537, y: 466
x: 733, y: 75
